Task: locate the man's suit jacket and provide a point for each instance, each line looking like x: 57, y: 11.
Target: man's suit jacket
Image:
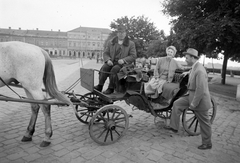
x: 199, y: 96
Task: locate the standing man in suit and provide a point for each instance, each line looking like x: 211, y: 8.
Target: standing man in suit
x: 119, y: 51
x: 198, y: 99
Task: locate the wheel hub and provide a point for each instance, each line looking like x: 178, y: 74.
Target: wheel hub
x: 111, y: 125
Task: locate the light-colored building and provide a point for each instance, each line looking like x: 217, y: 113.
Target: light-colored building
x: 87, y: 41
x: 79, y: 42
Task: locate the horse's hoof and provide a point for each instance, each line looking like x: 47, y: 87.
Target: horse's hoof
x: 26, y: 139
x: 45, y: 144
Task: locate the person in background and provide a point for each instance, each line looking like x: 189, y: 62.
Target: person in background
x: 197, y: 99
x: 119, y: 51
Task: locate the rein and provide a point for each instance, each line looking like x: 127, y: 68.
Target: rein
x: 11, y: 88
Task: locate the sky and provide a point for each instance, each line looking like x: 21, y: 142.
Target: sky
x: 66, y: 15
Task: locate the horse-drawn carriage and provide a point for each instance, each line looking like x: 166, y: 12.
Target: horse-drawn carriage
x: 108, y: 122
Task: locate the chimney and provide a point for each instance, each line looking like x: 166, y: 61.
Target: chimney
x: 19, y: 28
x: 37, y: 28
x: 59, y: 30
x: 9, y: 27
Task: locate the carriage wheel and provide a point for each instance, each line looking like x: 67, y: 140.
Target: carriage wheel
x: 162, y: 117
x: 84, y: 114
x: 164, y: 114
x: 108, y: 125
x: 190, y: 122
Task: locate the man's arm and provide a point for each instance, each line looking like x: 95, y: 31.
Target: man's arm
x: 106, y: 53
x: 132, y: 54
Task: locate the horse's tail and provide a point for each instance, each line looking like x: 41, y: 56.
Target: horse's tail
x: 49, y: 81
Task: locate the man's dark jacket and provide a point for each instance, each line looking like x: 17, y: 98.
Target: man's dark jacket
x: 128, y: 54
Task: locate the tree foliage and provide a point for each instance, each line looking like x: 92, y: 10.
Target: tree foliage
x: 140, y: 30
x: 157, y: 48
x: 211, y: 26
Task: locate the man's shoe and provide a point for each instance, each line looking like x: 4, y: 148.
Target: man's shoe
x: 99, y: 88
x: 170, y: 128
x: 108, y: 91
x: 205, y: 146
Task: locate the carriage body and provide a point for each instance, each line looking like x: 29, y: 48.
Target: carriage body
x: 109, y: 122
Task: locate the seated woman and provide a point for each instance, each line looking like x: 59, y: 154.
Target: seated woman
x: 163, y: 73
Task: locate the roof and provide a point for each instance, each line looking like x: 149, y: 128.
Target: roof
x: 91, y: 29
x: 12, y: 31
x: 46, y: 33
x: 37, y: 32
x: 32, y: 32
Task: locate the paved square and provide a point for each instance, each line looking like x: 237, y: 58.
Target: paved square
x: 144, y: 141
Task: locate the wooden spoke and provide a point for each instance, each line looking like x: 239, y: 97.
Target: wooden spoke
x: 113, y: 127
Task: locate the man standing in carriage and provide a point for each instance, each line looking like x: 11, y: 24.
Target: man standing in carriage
x: 119, y: 51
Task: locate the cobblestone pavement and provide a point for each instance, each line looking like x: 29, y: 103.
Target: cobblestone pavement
x: 144, y: 141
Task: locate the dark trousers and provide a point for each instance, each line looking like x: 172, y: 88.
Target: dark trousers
x: 113, y: 77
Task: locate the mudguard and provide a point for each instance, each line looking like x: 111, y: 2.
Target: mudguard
x: 138, y: 100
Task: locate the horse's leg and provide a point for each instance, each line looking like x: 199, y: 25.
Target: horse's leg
x: 46, y: 109
x: 31, y: 127
x: 38, y: 95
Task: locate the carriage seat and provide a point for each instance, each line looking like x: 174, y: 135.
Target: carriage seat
x: 170, y: 89
x: 130, y: 78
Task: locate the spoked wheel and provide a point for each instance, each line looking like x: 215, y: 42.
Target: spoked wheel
x: 84, y: 114
x: 108, y: 125
x: 164, y: 114
x: 190, y: 121
x: 162, y: 117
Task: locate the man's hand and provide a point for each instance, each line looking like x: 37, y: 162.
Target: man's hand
x: 121, y: 61
x: 191, y: 107
x: 109, y: 62
x: 185, y: 73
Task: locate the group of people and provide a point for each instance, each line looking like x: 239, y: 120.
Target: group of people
x: 121, y: 51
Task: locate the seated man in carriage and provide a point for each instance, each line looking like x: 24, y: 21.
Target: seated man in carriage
x: 120, y: 51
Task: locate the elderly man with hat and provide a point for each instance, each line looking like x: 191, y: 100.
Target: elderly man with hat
x: 197, y: 99
x: 118, y: 52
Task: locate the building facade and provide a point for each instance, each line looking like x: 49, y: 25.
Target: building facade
x: 86, y: 41
x: 79, y: 42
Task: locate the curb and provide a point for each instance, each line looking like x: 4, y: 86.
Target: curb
x: 223, y: 96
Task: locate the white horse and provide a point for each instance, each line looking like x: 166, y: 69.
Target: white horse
x: 32, y: 67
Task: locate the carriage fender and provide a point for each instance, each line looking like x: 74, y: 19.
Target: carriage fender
x: 136, y: 99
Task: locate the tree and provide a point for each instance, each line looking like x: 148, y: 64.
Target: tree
x: 207, y: 25
x: 157, y: 48
x: 140, y: 30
